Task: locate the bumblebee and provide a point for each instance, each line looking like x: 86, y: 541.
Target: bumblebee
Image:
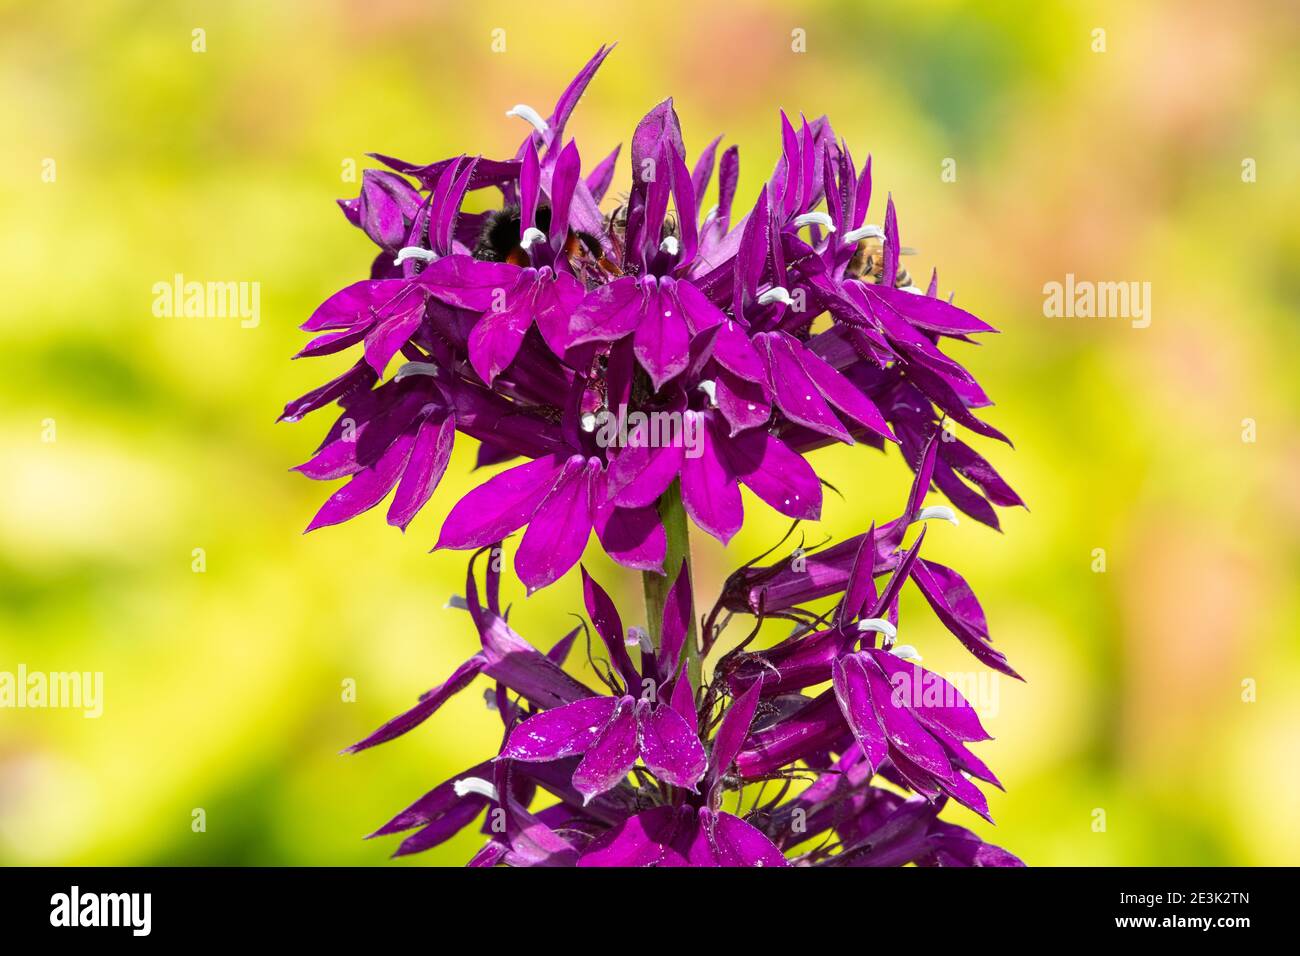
x: 498, y: 240
x: 868, y: 263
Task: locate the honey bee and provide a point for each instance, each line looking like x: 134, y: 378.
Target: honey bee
x: 868, y: 263
x: 616, y: 227
x: 616, y: 224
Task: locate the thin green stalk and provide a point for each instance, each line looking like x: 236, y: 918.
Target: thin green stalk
x: 656, y: 585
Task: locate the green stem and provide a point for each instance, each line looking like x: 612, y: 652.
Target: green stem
x: 657, y: 585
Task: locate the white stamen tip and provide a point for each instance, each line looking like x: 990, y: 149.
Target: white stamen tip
x: 529, y: 115
x: 639, y: 637
x: 588, y: 422
x: 914, y: 289
x: 864, y: 232
x: 710, y: 388
x: 937, y: 511
x: 820, y: 218
x: 906, y: 651
x: 880, y: 626
x: 476, y: 785
x: 531, y: 236
x: 414, y: 252
x: 775, y: 294
x: 457, y: 602
x: 416, y: 368
x: 670, y: 245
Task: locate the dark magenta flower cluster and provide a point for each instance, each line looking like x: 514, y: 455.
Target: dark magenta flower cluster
x: 632, y: 368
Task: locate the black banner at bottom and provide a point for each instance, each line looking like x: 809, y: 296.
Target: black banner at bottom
x: 336, y: 905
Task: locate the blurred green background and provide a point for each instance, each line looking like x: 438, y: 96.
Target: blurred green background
x: 223, y: 689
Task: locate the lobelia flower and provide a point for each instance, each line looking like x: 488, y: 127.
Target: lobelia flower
x: 632, y: 368
x: 564, y: 738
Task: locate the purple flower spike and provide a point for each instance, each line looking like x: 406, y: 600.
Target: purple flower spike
x: 630, y: 369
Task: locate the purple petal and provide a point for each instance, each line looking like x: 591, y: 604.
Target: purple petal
x: 683, y: 701
x: 860, y: 590
x: 446, y: 826
x: 530, y: 184
x: 709, y: 491
x: 562, y: 732
x: 604, y: 617
x: 356, y: 380
x: 669, y: 746
x: 738, y: 843
x: 643, y: 470
x: 797, y: 662
x: 854, y: 697
x: 734, y: 729
x: 967, y: 794
x: 897, y: 841
x: 676, y: 623
x: 661, y: 341
x: 687, y: 206
x: 728, y: 176
x: 743, y: 404
x: 424, y: 469
x: 568, y: 100
x: 796, y: 394
x: 429, y: 703
x: 935, y: 701
x: 499, y: 506
x: 961, y: 756
x: 975, y: 469
x: 634, y: 537
x: 703, y: 172
x: 332, y: 342
x: 367, y: 487
x: 887, y: 601
x: 956, y: 846
x: 694, y: 306
x: 611, y: 757
x: 564, y: 179
x: 657, y: 131
x: 970, y: 502
x: 609, y: 312
x: 353, y: 305
x: 558, y: 532
x: 496, y: 338
x: 435, y: 803
x: 954, y: 604
x: 560, y: 650
x: 889, y: 264
x: 902, y: 729
x: 524, y: 669
x: 843, y: 394
x: 598, y: 179
x: 336, y: 459
x: 640, y: 840
x: 468, y: 283
x: 734, y: 351
x: 772, y: 471
x: 445, y: 207
x: 387, y: 200
x: 553, y: 306
x: 933, y: 314
x: 751, y: 257
x: 536, y: 844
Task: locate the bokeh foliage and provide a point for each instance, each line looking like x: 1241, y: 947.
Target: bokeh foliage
x: 223, y: 689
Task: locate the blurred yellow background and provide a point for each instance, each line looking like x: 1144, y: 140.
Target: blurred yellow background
x: 223, y: 690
